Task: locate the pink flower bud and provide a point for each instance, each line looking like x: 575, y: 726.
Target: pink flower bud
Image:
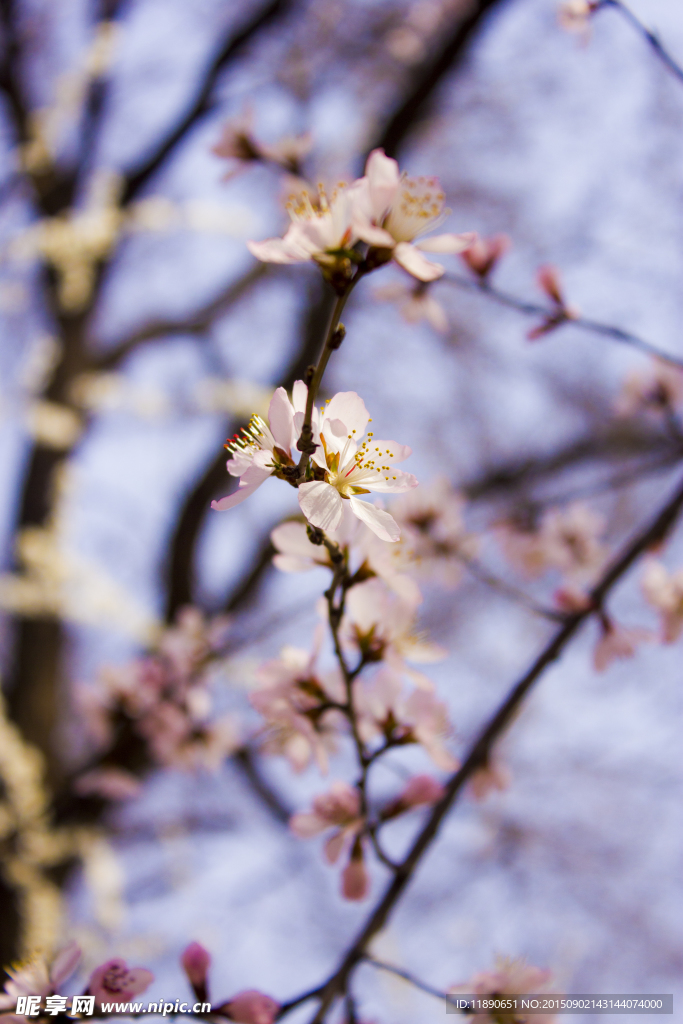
x: 484, y: 253
x: 355, y: 879
x: 114, y: 981
x: 196, y: 962
x: 421, y: 789
x: 549, y: 280
x: 251, y: 1007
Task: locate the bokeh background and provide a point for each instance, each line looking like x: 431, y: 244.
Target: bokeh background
x: 571, y: 146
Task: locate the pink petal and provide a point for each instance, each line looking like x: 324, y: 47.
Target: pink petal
x: 196, y: 962
x: 380, y: 522
x: 252, y: 1007
x: 412, y: 260
x: 65, y: 964
x: 305, y: 824
x: 321, y: 503
x: 334, y: 846
x: 447, y: 243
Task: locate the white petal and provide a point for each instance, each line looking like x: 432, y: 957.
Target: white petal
x: 399, y: 452
x: 321, y: 503
x: 291, y: 563
x: 398, y: 482
x: 345, y: 414
x: 447, y: 243
x: 373, y: 235
x: 412, y: 260
x: 281, y: 419
x: 278, y: 250
x: 299, y: 396
x: 380, y: 522
x: 238, y: 496
x: 383, y: 181
x: 291, y: 539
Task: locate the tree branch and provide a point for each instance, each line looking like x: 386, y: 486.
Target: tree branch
x: 480, y: 750
x: 649, y: 36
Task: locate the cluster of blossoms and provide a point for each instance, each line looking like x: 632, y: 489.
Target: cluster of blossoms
x: 565, y: 539
x: 157, y: 710
x: 37, y: 984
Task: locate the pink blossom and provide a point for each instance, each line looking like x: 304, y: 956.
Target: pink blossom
x: 420, y: 790
x: 415, y: 303
x: 384, y: 711
x: 575, y: 15
x: 292, y: 699
x: 264, y: 449
x: 321, y: 230
x: 434, y: 532
x: 251, y: 1007
x: 657, y: 389
x: 110, y: 782
x: 339, y: 808
x: 485, y: 780
x: 664, y: 591
x: 34, y: 977
x: 381, y: 623
x: 548, y: 278
x: 114, y: 980
x: 238, y: 142
x: 565, y: 539
x: 484, y: 253
x: 391, y: 210
x: 353, y: 465
x: 509, y: 977
x: 617, y: 642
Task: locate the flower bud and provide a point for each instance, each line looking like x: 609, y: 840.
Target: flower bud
x: 355, y: 879
x: 421, y: 789
x: 196, y: 962
x: 251, y: 1007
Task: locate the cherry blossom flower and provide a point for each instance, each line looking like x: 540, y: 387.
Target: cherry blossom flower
x: 575, y: 15
x: 566, y: 539
x: 657, y: 389
x: 238, y: 142
x: 548, y: 278
x: 382, y: 626
x: 353, y: 465
x: 34, y: 977
x: 664, y: 591
x: 339, y: 808
x: 390, y: 211
x: 484, y: 253
x: 321, y: 230
x: 264, y: 449
x: 617, y: 642
x: 365, y: 553
x: 250, y: 1007
x: 485, y: 780
x: 508, y: 978
x: 293, y: 700
x: 355, y: 878
x: 114, y: 980
x: 415, y: 303
x: 433, y: 530
x: 384, y: 711
x: 419, y: 791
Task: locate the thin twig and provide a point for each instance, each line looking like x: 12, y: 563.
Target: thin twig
x: 400, y: 973
x: 584, y: 324
x: 480, y: 750
x: 647, y: 34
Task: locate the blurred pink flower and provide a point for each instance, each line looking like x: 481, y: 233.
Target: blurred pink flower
x: 618, y: 642
x: 485, y: 780
x: 339, y: 808
x: 420, y: 790
x: 664, y: 591
x: 548, y: 278
x: 415, y: 303
x: 196, y: 962
x: 575, y: 15
x: 657, y: 389
x: 433, y: 530
x: 34, y: 977
x: 355, y: 877
x: 390, y: 211
x: 251, y: 1007
x: 566, y: 539
x: 509, y: 977
x: 114, y: 980
x: 484, y: 253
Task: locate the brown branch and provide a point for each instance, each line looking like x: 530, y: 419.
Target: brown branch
x: 480, y: 751
x: 197, y: 322
x: 233, y: 46
x: 429, y: 76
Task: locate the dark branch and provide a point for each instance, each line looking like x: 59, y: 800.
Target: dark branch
x: 652, y: 40
x: 232, y: 47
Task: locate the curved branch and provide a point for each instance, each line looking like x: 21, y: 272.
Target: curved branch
x: 232, y: 46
